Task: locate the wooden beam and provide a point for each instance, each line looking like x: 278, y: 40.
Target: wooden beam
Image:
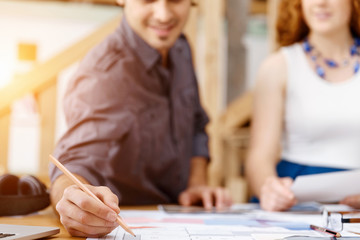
x: 43, y: 75
x: 213, y: 19
x: 47, y: 108
x: 4, y: 142
x: 238, y: 113
x: 213, y: 22
x: 191, y: 30
x: 258, y: 7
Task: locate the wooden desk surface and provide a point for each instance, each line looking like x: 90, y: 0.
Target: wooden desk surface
x: 48, y: 217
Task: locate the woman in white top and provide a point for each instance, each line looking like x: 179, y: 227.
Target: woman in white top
x: 306, y: 116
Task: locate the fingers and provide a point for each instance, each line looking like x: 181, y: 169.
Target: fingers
x: 219, y: 194
x: 352, y: 201
x: 287, y: 183
x: 107, y: 197
x: 90, y: 205
x: 276, y: 194
x: 282, y: 186
x: 82, y: 215
x: 78, y: 229
x: 208, y: 196
x: 228, y: 198
x: 185, y: 199
x: 222, y: 198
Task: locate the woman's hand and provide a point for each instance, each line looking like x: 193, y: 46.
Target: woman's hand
x: 352, y: 201
x: 276, y: 194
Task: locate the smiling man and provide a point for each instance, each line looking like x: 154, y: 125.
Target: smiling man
x: 135, y: 123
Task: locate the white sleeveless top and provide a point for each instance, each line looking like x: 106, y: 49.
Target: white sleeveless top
x: 322, y: 119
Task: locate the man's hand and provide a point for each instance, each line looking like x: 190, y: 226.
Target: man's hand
x: 208, y: 196
x: 276, y: 194
x: 83, y: 216
x: 352, y: 201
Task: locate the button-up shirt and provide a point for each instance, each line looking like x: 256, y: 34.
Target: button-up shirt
x: 133, y: 125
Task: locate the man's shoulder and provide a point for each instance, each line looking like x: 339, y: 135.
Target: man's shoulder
x: 102, y: 57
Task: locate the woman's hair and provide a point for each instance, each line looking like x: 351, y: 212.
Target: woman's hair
x: 291, y: 26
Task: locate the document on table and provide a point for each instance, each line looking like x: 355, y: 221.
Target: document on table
x: 192, y: 232
x: 327, y: 187
x: 164, y: 226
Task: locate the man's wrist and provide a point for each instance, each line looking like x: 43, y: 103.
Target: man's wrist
x: 198, y: 173
x: 59, y: 185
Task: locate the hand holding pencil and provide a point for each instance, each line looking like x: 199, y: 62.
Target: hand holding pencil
x: 87, y: 210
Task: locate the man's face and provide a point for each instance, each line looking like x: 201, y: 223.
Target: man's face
x: 158, y: 22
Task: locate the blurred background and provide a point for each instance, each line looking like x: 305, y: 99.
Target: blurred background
x: 41, y: 43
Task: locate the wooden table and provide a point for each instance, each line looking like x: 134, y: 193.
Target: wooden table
x: 48, y: 217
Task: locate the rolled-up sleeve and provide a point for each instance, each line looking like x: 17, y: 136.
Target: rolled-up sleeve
x: 201, y: 139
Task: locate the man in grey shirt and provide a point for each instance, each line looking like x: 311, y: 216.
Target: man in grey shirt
x: 135, y: 123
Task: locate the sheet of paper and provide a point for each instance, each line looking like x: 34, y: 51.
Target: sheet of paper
x: 252, y: 225
x: 326, y: 187
x: 206, y: 226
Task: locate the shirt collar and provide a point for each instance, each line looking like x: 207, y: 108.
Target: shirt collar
x: 148, y: 55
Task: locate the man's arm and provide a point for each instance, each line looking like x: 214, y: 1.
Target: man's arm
x: 198, y: 171
x: 89, y: 106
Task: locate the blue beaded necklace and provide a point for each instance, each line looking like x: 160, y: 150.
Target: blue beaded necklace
x: 314, y: 56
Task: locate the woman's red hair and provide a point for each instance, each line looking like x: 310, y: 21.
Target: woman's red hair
x: 291, y: 26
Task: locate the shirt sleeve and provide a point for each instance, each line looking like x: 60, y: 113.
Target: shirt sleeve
x: 97, y: 122
x: 201, y: 139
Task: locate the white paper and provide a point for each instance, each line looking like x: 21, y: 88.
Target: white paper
x: 253, y: 225
x: 206, y: 226
x: 327, y: 187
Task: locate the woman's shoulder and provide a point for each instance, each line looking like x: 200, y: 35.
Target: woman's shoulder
x: 274, y: 66
x: 279, y: 57
x: 274, y: 60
